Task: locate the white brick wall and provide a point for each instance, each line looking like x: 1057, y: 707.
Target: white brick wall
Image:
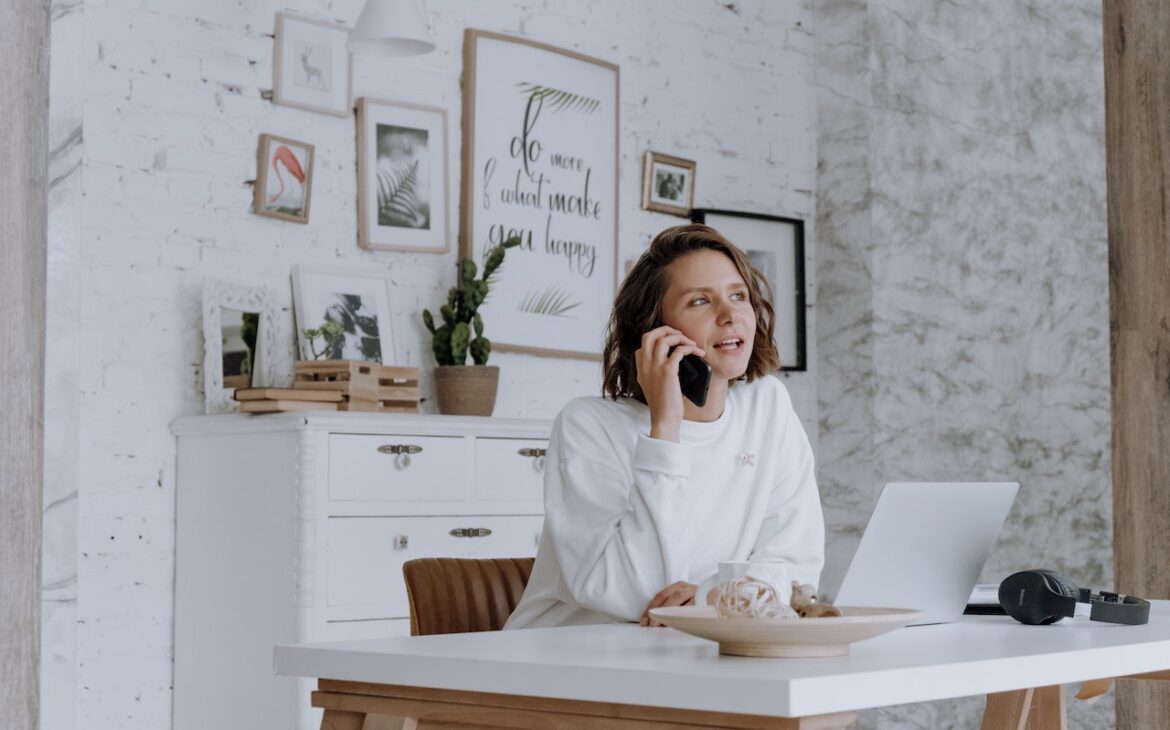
x: 172, y: 111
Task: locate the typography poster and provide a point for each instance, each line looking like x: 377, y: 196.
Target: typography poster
x: 540, y: 161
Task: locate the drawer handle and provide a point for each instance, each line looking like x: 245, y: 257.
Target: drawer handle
x: 470, y: 532
x: 401, y: 453
x: 537, y: 456
x: 397, y: 449
x: 401, y: 542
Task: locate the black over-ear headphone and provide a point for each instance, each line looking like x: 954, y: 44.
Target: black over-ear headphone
x: 1045, y: 596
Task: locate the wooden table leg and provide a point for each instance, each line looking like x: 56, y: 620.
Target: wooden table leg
x: 1048, y: 709
x: 339, y: 720
x: 1007, y: 710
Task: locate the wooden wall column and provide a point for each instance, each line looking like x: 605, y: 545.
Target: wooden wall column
x: 1137, y: 124
x: 24, y: 91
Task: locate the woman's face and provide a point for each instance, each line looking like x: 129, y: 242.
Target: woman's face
x: 708, y: 301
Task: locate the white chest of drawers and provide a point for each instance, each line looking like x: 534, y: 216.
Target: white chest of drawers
x: 294, y: 528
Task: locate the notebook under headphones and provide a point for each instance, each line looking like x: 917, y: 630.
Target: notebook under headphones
x: 925, y: 546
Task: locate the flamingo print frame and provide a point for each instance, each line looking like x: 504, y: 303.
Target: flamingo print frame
x: 284, y: 179
x: 402, y: 176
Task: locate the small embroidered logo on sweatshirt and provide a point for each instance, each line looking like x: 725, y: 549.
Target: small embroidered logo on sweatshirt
x: 747, y: 459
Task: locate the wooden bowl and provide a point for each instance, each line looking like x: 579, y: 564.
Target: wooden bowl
x: 785, y: 637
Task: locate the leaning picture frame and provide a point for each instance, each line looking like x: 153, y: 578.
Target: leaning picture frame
x: 342, y: 314
x: 230, y: 310
x: 311, y: 67
x: 775, y: 245
x: 284, y: 179
x: 402, y: 176
x: 668, y: 184
x: 540, y: 162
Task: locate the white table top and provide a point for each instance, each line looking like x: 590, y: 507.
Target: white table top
x: 629, y: 664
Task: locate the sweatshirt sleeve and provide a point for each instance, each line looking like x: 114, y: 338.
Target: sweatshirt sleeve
x: 793, y: 529
x: 612, y: 538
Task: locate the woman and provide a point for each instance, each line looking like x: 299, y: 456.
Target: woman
x: 646, y: 492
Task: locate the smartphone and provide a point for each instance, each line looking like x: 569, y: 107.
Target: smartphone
x: 694, y: 377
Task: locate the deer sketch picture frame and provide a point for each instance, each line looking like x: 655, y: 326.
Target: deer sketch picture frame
x: 220, y: 298
x: 402, y: 176
x: 312, y: 66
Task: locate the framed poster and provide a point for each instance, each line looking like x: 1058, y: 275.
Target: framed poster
x: 668, y: 184
x: 776, y: 247
x: 342, y: 314
x: 402, y: 176
x: 284, y: 179
x: 311, y: 69
x: 540, y: 160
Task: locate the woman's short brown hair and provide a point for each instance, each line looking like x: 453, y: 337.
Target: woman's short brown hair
x: 637, y: 308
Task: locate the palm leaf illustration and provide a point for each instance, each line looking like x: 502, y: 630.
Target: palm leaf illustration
x: 553, y: 301
x: 347, y: 312
x: 558, y: 99
x: 397, y: 204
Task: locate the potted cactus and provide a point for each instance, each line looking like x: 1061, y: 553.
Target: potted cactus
x: 461, y: 389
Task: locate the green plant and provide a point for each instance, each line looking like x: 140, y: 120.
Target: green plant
x: 332, y: 335
x: 453, y: 339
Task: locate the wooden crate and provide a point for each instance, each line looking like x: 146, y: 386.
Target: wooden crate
x: 367, y: 387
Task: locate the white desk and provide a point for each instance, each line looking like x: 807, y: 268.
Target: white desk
x: 628, y: 665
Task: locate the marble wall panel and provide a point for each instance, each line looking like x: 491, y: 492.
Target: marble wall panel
x: 62, y: 400
x: 981, y: 315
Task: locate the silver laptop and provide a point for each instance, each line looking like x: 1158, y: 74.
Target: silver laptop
x: 925, y: 546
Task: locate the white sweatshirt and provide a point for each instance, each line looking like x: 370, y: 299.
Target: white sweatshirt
x: 627, y: 515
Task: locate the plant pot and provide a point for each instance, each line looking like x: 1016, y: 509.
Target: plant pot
x: 466, y: 390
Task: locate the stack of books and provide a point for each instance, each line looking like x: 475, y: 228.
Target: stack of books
x: 279, y: 400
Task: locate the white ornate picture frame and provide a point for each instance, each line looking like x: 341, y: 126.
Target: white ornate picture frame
x: 266, y: 361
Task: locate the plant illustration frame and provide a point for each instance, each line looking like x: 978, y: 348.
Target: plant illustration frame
x: 540, y: 158
x: 318, y: 289
x: 269, y: 360
x: 402, y: 176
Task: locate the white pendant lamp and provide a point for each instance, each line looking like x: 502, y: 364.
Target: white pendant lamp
x: 391, y: 28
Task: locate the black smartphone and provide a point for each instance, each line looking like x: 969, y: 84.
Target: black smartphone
x: 694, y: 377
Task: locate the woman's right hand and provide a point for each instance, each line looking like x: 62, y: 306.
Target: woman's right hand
x: 658, y: 377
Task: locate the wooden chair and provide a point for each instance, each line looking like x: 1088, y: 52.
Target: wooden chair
x: 452, y: 595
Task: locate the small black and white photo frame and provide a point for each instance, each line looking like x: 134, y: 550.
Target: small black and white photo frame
x: 775, y: 246
x: 284, y: 179
x: 402, y: 176
x: 668, y: 184
x: 311, y: 68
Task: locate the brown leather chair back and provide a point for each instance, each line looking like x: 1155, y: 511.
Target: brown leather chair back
x: 452, y: 595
